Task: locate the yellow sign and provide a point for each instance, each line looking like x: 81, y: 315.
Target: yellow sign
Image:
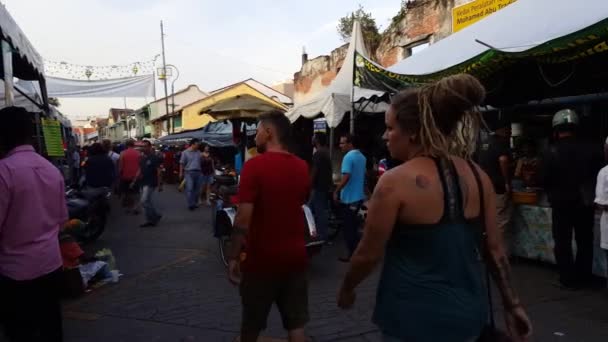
x: 472, y: 12
x: 53, y: 141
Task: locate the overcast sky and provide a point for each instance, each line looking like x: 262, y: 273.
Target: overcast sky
x: 213, y: 43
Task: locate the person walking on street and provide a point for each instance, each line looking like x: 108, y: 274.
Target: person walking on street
x: 426, y: 221
x: 128, y: 165
x: 322, y: 181
x: 32, y: 210
x: 76, y: 166
x: 150, y: 178
x: 601, y: 202
x: 274, y: 187
x: 107, y: 145
x: 351, y: 192
x: 115, y: 157
x: 568, y: 173
x: 207, y: 169
x: 190, y: 170
x: 99, y: 170
x: 495, y: 159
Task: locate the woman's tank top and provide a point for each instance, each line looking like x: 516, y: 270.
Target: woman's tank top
x: 431, y: 287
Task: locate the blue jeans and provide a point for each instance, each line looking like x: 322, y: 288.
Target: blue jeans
x: 319, y: 204
x: 351, y: 225
x: 194, y: 183
x: 147, y: 194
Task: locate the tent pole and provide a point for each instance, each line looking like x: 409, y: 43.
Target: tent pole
x: 331, y: 144
x: 7, y: 59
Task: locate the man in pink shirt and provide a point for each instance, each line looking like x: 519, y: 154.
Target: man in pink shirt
x: 32, y: 209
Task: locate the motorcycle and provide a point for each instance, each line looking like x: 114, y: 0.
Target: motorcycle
x: 91, y: 206
x: 224, y: 204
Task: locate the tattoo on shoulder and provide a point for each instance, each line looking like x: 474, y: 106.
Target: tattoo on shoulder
x: 422, y: 181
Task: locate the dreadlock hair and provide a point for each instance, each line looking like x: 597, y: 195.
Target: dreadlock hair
x: 442, y: 115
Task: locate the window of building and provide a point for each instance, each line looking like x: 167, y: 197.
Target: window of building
x: 177, y: 121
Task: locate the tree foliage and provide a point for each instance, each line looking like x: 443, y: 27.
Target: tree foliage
x: 371, y: 32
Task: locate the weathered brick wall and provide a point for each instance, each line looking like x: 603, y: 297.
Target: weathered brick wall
x: 427, y: 21
x: 424, y: 20
x: 317, y: 74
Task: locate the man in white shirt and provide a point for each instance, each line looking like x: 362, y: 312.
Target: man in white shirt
x: 601, y: 200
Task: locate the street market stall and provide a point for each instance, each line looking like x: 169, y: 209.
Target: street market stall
x: 526, y: 51
x: 533, y: 61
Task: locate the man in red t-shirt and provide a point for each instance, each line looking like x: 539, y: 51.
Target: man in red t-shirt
x: 128, y: 166
x: 270, y: 223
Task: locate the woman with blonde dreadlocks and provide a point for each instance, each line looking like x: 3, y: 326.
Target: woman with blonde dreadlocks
x: 426, y: 219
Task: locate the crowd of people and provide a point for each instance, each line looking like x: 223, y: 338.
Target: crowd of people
x: 429, y: 219
x: 435, y: 219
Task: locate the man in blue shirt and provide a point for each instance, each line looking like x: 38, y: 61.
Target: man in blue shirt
x: 351, y: 192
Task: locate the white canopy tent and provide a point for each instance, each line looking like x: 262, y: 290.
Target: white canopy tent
x: 23, y: 87
x: 336, y: 100
x: 520, y: 26
x: 13, y: 34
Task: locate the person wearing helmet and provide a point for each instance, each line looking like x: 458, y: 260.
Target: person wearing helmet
x: 568, y: 172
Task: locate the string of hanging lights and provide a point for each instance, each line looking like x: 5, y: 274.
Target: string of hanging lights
x: 72, y: 71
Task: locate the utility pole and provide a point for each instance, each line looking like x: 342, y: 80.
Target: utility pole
x: 162, y: 41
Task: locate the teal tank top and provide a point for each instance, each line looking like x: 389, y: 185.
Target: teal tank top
x: 431, y: 287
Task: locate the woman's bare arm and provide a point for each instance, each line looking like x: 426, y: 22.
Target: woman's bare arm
x: 496, y: 257
x: 383, y: 209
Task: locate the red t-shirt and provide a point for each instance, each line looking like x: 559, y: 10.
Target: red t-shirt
x: 278, y: 185
x: 130, y: 164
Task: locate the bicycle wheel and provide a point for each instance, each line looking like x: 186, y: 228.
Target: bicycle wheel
x: 224, y: 243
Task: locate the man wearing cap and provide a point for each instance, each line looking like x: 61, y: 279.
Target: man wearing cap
x: 495, y: 160
x: 569, y: 169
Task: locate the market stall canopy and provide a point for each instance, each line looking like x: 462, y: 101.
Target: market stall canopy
x: 519, y: 27
x: 27, y: 63
x: 215, y: 134
x: 531, y: 48
x: 32, y: 93
x: 335, y: 100
x: 241, y: 106
x: 246, y: 99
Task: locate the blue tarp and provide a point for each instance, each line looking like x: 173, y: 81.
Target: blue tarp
x: 215, y: 134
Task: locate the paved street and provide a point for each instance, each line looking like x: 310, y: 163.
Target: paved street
x: 175, y: 289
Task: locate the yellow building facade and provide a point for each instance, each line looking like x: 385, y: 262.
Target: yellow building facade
x: 192, y: 119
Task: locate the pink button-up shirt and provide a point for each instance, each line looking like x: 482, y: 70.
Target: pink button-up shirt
x: 32, y: 209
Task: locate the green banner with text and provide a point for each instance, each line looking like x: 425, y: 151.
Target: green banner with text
x: 51, y: 130
x: 579, y: 45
